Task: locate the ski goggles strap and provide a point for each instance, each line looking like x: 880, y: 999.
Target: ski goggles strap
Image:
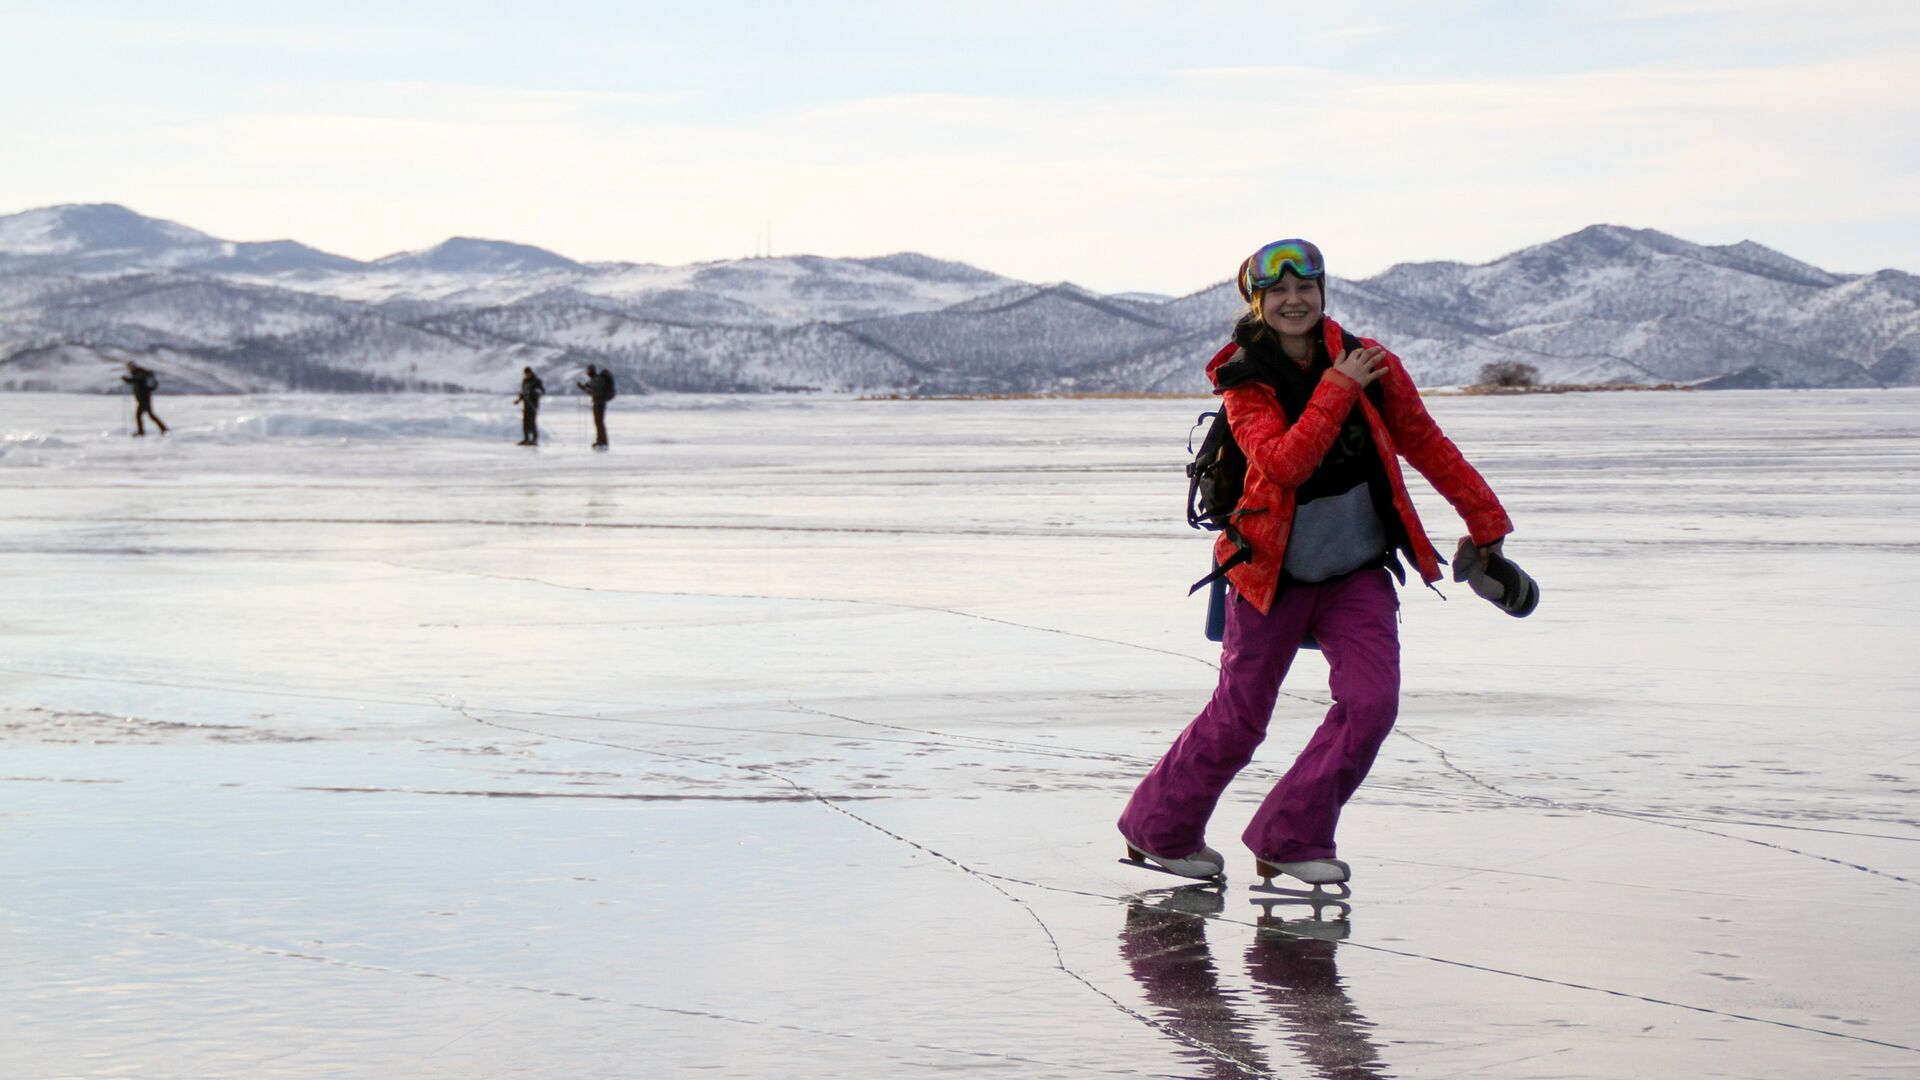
x: 1264, y: 267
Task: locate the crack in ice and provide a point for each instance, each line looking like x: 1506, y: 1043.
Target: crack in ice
x: 1650, y: 819
x: 547, y: 991
x: 990, y: 880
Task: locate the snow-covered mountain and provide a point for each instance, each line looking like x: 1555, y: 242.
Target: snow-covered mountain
x: 85, y: 288
x: 109, y: 239
x: 494, y: 258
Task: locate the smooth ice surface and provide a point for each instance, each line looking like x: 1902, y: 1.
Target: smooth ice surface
x: 341, y: 737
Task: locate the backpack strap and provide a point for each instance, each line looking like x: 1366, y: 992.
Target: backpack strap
x: 1233, y: 373
x: 1211, y: 445
x: 1242, y: 553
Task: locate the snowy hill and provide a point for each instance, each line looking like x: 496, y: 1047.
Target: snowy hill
x: 279, y: 257
x: 84, y: 288
x: 77, y: 239
x: 1020, y: 339
x: 1677, y: 310
x: 465, y: 255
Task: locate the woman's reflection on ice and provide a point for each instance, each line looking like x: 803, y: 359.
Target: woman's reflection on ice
x: 1165, y: 946
x: 1291, y: 962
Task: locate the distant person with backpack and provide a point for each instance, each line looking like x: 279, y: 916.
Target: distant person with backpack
x: 599, y: 386
x: 144, y: 382
x: 1310, y: 550
x: 531, y: 391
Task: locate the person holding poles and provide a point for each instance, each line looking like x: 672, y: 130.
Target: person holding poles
x: 599, y: 386
x: 531, y: 391
x: 144, y: 382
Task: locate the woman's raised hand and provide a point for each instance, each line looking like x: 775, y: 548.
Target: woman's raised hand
x: 1362, y: 365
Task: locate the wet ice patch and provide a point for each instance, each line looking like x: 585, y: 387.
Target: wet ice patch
x: 30, y: 449
x: 37, y: 724
x: 322, y: 426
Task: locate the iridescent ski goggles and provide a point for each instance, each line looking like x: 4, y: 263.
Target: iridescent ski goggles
x: 1264, y: 267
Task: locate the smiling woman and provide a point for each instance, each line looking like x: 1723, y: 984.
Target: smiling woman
x: 1323, y: 519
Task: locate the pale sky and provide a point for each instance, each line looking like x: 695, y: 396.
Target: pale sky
x: 1121, y: 145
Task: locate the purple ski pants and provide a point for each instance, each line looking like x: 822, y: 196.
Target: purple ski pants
x: 1355, y: 621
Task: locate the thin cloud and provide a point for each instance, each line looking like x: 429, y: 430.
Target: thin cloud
x: 990, y: 178
x: 456, y: 99
x: 103, y: 29
x: 1676, y: 9
x: 1274, y: 74
x: 1180, y: 163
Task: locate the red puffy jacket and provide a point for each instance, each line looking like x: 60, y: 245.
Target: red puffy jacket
x: 1281, y: 456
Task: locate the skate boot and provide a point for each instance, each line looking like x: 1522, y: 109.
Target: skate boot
x: 1204, y: 865
x: 1318, y: 873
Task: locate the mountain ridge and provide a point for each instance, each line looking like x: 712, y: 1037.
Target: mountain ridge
x: 85, y: 287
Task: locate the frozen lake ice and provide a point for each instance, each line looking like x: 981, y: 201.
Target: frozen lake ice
x: 341, y: 737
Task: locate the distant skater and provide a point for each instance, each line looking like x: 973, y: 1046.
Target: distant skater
x: 1311, y: 551
x: 599, y: 386
x: 143, y: 382
x: 531, y: 391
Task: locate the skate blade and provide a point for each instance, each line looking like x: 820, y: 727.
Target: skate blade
x: 1315, y: 892
x: 1317, y: 906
